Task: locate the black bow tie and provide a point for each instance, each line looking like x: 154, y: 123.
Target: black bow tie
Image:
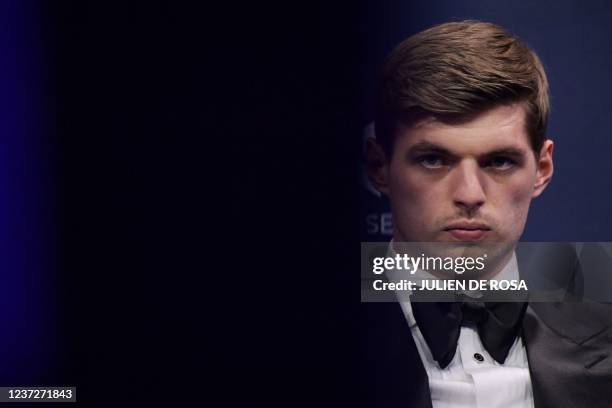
x: 440, y: 323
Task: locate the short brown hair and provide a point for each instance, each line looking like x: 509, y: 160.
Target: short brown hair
x: 459, y: 69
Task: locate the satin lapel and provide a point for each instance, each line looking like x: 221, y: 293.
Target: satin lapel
x: 569, y: 351
x: 393, y: 373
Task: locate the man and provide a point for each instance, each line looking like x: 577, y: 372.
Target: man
x: 461, y: 150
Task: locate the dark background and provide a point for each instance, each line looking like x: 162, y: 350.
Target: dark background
x: 208, y: 209
x: 183, y: 211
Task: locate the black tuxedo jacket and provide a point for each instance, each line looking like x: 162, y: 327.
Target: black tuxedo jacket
x: 568, y: 344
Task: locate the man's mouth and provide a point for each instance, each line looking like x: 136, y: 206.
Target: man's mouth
x: 468, y: 231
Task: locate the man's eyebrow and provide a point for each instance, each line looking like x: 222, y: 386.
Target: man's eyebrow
x: 428, y: 147
x: 506, y: 151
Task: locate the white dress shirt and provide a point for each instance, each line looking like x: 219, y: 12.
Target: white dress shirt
x: 473, y: 378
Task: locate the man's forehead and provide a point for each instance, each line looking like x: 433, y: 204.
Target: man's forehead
x: 499, y: 127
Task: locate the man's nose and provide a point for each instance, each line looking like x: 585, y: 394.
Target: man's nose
x: 468, y: 188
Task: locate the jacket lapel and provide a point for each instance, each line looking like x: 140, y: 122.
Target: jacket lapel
x: 568, y: 349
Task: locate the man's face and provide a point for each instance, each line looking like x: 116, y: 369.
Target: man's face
x: 470, y: 181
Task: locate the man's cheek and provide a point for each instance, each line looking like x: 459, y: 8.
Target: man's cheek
x: 413, y: 220
x: 522, y: 189
x: 418, y: 189
x: 517, y: 216
x: 408, y: 191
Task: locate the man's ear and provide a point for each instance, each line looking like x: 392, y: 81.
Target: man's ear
x: 544, y: 168
x: 377, y: 165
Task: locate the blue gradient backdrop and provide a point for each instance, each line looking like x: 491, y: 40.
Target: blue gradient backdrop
x: 28, y: 338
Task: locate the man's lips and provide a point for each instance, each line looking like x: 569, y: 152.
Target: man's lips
x: 468, y: 231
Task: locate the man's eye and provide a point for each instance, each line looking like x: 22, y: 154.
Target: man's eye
x: 501, y: 163
x: 431, y: 161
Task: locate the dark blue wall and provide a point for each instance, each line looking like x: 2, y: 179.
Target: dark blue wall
x: 574, y: 41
